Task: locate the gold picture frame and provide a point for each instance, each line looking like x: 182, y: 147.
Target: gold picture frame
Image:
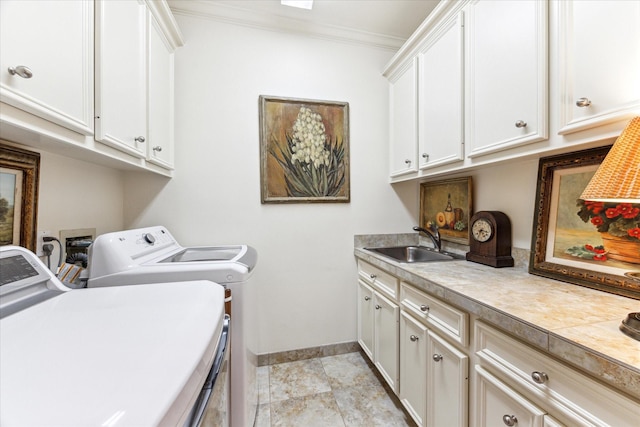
x: 19, y: 181
x: 571, y: 240
x: 449, y: 205
x: 304, y: 151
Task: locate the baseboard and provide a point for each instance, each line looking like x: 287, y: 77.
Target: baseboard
x: 307, y: 353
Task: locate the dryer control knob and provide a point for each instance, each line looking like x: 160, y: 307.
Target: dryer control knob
x: 148, y: 237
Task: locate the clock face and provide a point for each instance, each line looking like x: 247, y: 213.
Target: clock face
x: 481, y: 230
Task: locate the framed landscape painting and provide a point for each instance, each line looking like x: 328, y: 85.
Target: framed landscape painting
x: 19, y: 178
x: 304, y: 151
x: 592, y: 244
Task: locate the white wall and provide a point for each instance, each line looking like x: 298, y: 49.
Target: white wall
x: 76, y: 194
x: 306, y: 269
x: 510, y: 188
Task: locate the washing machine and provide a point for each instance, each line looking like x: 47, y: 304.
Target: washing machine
x: 113, y: 356
x: 152, y: 255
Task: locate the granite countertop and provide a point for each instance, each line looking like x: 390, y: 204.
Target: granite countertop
x: 573, y: 323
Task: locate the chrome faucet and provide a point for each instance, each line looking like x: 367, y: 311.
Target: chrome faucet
x: 433, y: 234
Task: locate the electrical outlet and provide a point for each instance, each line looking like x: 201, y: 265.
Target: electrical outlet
x: 40, y: 242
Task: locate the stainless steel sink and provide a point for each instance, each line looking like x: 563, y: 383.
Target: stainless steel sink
x: 412, y: 254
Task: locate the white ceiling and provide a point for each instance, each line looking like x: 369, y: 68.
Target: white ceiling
x: 386, y: 23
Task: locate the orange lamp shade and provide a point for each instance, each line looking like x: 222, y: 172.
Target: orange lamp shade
x: 618, y: 177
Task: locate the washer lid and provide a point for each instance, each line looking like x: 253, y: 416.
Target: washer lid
x: 115, y: 356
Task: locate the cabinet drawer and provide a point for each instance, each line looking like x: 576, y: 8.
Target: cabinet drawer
x: 451, y: 322
x: 574, y: 397
x: 381, y: 280
x: 497, y: 404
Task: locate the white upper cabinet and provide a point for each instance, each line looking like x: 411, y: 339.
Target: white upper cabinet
x: 121, y: 81
x: 403, y: 95
x: 506, y: 74
x: 49, y: 47
x: 441, y: 108
x: 161, y: 98
x: 599, y: 61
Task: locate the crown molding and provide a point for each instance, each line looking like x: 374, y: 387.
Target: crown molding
x: 272, y: 22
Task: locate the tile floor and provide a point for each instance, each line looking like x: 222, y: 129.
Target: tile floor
x: 330, y: 391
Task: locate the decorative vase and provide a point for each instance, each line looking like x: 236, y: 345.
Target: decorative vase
x: 621, y: 249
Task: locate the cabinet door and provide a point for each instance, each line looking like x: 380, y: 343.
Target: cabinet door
x: 441, y: 128
x: 413, y: 367
x: 498, y: 404
x: 506, y: 71
x: 600, y: 51
x: 385, y: 340
x: 447, y: 384
x: 403, y: 95
x: 121, y: 99
x: 161, y: 119
x: 54, y: 40
x: 365, y: 318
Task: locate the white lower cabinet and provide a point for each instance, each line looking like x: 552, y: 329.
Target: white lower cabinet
x: 413, y: 363
x: 365, y: 318
x: 433, y: 372
x: 385, y: 341
x: 421, y: 346
x: 447, y: 384
x: 513, y: 379
x: 378, y: 317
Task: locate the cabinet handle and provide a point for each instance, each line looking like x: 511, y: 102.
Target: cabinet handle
x: 539, y: 377
x: 509, y: 420
x: 437, y: 357
x: 413, y: 338
x: 583, y: 102
x: 139, y: 139
x: 425, y: 156
x: 424, y: 308
x: 373, y: 276
x: 157, y: 148
x: 521, y: 124
x: 378, y: 306
x: 408, y: 162
x: 367, y: 298
x: 22, y: 71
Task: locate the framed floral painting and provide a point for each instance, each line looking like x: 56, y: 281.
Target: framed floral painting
x: 304, y: 150
x: 592, y: 244
x: 19, y: 179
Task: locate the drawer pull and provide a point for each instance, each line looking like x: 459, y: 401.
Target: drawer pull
x: 139, y: 139
x: 373, y: 276
x: 408, y: 162
x: 521, y: 124
x: 22, y: 71
x: 424, y: 308
x: 583, y: 102
x: 378, y: 306
x: 539, y: 377
x: 437, y: 357
x: 509, y: 420
x: 367, y: 298
x: 413, y: 338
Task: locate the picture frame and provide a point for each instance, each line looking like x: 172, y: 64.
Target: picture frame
x: 19, y: 182
x: 449, y: 205
x: 304, y: 151
x: 570, y: 238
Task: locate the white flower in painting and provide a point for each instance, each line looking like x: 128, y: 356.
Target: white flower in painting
x: 309, y: 139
